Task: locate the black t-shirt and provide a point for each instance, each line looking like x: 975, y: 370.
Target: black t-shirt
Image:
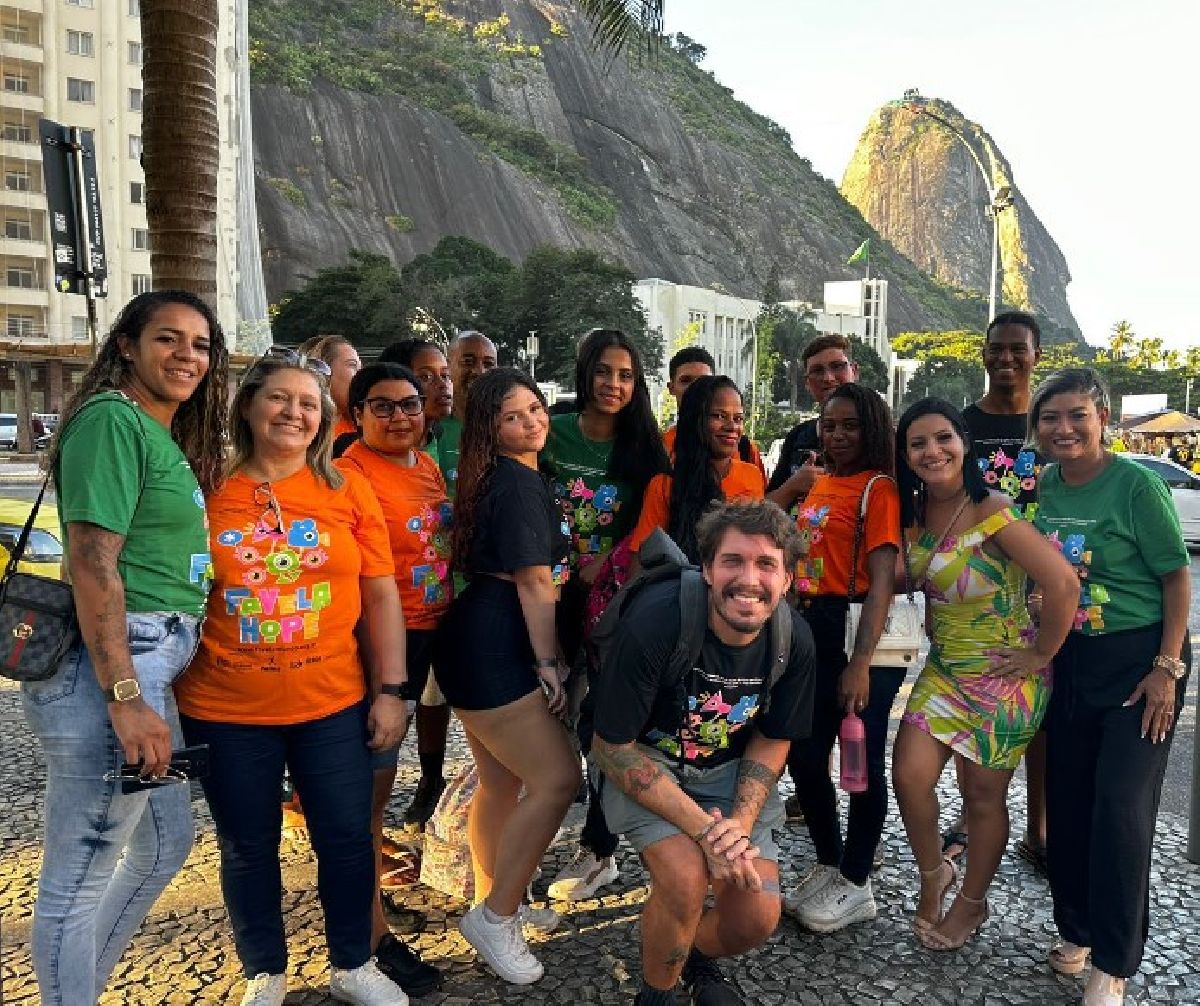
x: 803, y: 438
x: 518, y: 524
x: 1007, y: 464
x: 722, y: 694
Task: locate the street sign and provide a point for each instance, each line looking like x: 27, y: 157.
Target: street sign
x: 73, y: 198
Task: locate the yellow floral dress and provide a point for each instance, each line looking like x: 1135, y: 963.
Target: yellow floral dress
x: 977, y: 603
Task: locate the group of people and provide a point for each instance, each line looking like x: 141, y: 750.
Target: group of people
x: 419, y: 533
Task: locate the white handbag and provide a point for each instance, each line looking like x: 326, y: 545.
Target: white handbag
x: 900, y: 642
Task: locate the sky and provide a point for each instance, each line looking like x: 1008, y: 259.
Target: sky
x: 1093, y: 102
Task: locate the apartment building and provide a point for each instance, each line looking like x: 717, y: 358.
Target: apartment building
x: 79, y: 63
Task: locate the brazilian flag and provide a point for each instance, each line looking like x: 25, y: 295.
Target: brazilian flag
x: 861, y: 254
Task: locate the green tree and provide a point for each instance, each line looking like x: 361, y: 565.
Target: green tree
x: 960, y: 345
x: 956, y: 381
x: 786, y: 333
x: 872, y: 371
x: 1147, y: 353
x: 361, y: 300
x: 1120, y: 340
x: 617, y: 22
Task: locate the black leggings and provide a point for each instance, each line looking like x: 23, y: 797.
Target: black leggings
x: 809, y: 759
x: 1103, y: 783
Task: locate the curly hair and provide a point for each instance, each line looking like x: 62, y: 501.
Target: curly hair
x: 479, y: 447
x: 638, y: 453
x: 198, y: 426
x: 402, y: 352
x: 875, y: 426
x: 751, y: 517
x: 694, y: 483
x: 319, y: 455
x: 912, y: 487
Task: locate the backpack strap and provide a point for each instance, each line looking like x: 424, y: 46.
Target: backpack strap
x: 693, y: 623
x: 781, y: 647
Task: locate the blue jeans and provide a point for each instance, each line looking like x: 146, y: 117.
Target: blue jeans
x: 107, y: 856
x: 330, y: 765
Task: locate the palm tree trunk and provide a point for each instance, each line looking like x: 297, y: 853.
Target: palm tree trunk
x: 181, y: 142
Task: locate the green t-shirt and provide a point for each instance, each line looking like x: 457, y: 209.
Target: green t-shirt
x: 120, y: 470
x: 446, y: 452
x: 1121, y: 533
x: 600, y: 510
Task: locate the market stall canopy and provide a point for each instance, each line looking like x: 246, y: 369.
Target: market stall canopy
x: 1169, y: 422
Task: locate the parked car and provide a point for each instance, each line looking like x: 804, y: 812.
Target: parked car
x: 1185, y: 491
x: 44, y: 550
x: 8, y: 434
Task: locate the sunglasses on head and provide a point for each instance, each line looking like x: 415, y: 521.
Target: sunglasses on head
x: 385, y: 408
x: 286, y: 354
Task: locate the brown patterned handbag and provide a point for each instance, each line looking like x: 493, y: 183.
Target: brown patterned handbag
x: 37, y: 615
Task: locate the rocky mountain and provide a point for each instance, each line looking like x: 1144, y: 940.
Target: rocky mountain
x: 917, y: 184
x: 384, y: 125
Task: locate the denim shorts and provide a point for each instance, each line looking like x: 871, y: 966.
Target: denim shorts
x: 709, y: 787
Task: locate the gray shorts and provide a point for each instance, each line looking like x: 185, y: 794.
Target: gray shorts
x: 709, y: 787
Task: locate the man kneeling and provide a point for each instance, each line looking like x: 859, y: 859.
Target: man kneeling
x: 691, y: 755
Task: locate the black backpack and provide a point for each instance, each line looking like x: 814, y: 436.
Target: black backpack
x: 661, y: 561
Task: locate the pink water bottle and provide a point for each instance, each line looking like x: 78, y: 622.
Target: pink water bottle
x: 852, y: 739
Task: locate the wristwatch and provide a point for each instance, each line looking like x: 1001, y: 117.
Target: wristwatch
x: 400, y: 690
x: 1170, y: 665
x: 125, y: 690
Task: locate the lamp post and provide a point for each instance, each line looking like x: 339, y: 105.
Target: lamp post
x: 529, y: 354
x: 1000, y: 197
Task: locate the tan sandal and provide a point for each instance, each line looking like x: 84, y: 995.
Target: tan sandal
x: 920, y: 923
x: 1068, y: 958
x: 932, y: 938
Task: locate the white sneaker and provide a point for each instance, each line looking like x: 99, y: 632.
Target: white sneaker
x: 265, y: 990
x: 1103, y: 989
x: 502, y: 945
x: 839, y: 904
x: 544, y: 920
x: 583, y: 877
x: 366, y: 986
x: 811, y: 884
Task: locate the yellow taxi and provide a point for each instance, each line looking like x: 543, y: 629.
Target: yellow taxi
x: 44, y: 550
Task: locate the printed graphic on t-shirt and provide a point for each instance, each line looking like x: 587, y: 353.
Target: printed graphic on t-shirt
x: 1014, y: 474
x: 589, y: 515
x: 560, y: 572
x: 201, y: 567
x: 719, y: 710
x: 810, y: 522
x: 1092, y: 596
x: 432, y: 529
x: 267, y: 607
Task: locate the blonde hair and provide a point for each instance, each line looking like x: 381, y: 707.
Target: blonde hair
x: 320, y: 452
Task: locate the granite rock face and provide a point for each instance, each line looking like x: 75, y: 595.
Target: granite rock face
x: 917, y: 184
x: 700, y: 188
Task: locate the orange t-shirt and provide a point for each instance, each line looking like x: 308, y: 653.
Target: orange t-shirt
x: 755, y: 455
x: 343, y: 425
x: 278, y: 644
x: 827, y: 521
x: 417, y: 513
x: 744, y: 481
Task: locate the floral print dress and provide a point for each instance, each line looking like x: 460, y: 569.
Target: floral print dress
x: 977, y: 603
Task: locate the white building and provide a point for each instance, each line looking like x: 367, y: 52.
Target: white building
x: 722, y: 324
x: 78, y: 62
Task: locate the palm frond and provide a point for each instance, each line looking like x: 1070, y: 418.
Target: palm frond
x: 615, y: 22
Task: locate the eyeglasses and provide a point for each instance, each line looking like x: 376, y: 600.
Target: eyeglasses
x: 835, y: 369
x: 286, y: 354
x: 272, y: 515
x: 385, y: 408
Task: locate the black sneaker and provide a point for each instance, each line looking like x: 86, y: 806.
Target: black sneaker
x: 401, y: 964
x: 424, y: 801
x: 706, y: 985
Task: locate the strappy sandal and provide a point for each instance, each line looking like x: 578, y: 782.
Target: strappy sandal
x: 1034, y: 854
x: 920, y: 923
x: 1068, y: 958
x: 932, y: 938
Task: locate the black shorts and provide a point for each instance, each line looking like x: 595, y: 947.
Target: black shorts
x: 418, y: 655
x: 482, y: 655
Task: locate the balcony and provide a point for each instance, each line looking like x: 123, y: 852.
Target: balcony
x: 23, y: 200
x: 25, y: 102
x: 22, y: 296
x: 17, y: 150
x: 33, y: 6
x: 28, y: 52
x: 34, y: 248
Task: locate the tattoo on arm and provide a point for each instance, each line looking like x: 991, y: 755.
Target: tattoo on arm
x: 631, y: 770
x: 754, y: 784
x: 100, y: 599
